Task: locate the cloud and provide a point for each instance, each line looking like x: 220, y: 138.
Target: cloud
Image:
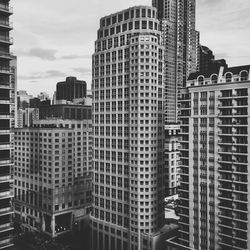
x: 83, y: 70
x: 49, y: 54
x: 69, y: 57
x: 42, y: 75
x: 44, y: 54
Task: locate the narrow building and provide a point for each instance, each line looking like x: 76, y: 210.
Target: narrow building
x: 6, y: 125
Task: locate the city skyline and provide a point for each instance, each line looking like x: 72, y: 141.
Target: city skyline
x: 44, y: 57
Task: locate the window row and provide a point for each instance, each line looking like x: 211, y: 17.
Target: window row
x: 129, y: 14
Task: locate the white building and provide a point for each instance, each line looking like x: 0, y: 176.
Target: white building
x: 128, y: 131
x: 215, y: 177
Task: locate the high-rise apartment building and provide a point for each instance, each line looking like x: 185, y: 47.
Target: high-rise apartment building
x: 6, y: 102
x: 214, y: 189
x: 52, y: 178
x: 128, y: 131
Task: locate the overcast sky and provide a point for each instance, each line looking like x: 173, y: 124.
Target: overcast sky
x: 55, y: 38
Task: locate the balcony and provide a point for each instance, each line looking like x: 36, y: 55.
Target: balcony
x: 7, y: 193
x: 224, y: 125
x: 6, y: 55
x: 222, y: 97
x: 5, y: 85
x: 4, y: 162
x: 6, y: 178
x: 6, y: 242
x: 222, y: 142
x: 224, y: 152
x: 5, y: 211
x: 5, y: 130
x: 224, y: 188
x: 227, y: 106
x: 5, y: 70
x: 240, y: 163
x: 6, y: 9
x: 4, y: 114
x: 241, y: 95
x: 229, y: 161
x: 240, y: 191
x: 6, y: 227
x: 6, y: 25
x: 6, y: 40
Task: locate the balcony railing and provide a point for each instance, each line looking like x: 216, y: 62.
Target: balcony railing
x: 6, y: 8
x: 6, y: 55
x: 5, y: 178
x: 6, y: 24
x: 4, y: 128
x: 6, y: 210
x: 6, y: 39
x: 5, y: 70
x: 6, y: 193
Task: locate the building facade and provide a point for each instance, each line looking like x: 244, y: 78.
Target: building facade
x: 52, y: 178
x: 128, y: 131
x: 6, y: 122
x: 214, y: 189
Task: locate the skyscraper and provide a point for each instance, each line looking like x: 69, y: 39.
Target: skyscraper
x: 214, y: 189
x: 180, y: 40
x: 6, y: 101
x: 177, y: 19
x: 128, y: 131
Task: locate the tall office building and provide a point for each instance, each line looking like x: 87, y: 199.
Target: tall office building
x: 128, y: 131
x: 52, y: 177
x: 6, y: 102
x: 71, y: 89
x: 181, y: 42
x: 215, y: 183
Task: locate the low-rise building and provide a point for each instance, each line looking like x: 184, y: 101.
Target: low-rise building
x: 52, y: 175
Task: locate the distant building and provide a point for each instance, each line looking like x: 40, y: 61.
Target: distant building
x: 71, y: 89
x: 214, y: 192
x: 28, y: 111
x: 26, y: 117
x: 37, y: 102
x: 208, y: 62
x: 23, y: 99
x: 65, y: 111
x: 43, y: 96
x: 52, y: 184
